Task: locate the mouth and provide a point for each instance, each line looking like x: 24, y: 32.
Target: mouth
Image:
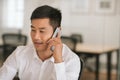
x: 38, y: 43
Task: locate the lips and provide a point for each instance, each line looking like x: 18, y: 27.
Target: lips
x: 38, y: 43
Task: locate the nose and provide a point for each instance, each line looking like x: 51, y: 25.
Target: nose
x: 37, y: 35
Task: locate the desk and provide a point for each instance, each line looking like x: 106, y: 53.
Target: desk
x: 96, y: 50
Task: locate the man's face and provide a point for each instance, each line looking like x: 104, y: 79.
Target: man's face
x: 41, y: 32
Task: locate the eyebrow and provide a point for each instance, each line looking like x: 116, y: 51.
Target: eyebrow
x: 32, y: 26
x: 39, y: 28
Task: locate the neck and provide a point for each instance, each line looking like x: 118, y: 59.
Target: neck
x: 43, y: 55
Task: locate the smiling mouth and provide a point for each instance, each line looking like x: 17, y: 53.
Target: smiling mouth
x: 39, y: 43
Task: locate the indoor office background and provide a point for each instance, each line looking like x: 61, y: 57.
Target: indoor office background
x: 97, y: 21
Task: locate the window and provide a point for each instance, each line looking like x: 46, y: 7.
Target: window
x: 13, y: 13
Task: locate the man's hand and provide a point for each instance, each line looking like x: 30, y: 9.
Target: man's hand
x: 57, y: 52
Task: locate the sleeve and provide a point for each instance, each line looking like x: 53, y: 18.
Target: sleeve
x: 68, y: 70
x: 9, y: 68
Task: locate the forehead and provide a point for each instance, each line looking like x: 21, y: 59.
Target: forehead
x: 41, y: 22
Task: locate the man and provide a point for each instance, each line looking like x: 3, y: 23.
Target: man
x: 38, y: 61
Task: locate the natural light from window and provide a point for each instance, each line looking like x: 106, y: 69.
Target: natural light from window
x: 13, y: 13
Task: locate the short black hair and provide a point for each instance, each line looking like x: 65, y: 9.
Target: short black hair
x: 46, y: 11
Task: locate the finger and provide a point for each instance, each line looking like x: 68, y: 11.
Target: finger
x: 50, y: 40
x: 51, y: 46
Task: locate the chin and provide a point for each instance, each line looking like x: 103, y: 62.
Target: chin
x: 41, y: 48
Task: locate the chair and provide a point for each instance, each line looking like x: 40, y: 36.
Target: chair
x: 11, y: 41
x: 78, y: 37
x: 82, y: 67
x: 70, y: 42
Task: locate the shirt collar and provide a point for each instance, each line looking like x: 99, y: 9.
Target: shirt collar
x: 49, y: 59
x: 36, y: 56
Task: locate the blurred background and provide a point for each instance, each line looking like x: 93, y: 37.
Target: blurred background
x: 97, y: 21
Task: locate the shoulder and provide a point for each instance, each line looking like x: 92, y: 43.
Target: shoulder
x: 23, y: 51
x: 68, y: 54
x: 70, y: 59
x: 24, y: 48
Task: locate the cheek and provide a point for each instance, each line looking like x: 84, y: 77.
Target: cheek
x: 47, y: 37
x: 32, y: 35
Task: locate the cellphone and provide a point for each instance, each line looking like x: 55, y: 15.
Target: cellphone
x: 57, y: 30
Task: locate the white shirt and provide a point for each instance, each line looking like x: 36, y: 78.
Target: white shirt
x: 25, y: 61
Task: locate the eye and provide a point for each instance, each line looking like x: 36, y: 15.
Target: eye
x: 33, y: 30
x: 41, y: 31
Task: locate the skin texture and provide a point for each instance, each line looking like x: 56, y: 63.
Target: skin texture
x: 41, y: 34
